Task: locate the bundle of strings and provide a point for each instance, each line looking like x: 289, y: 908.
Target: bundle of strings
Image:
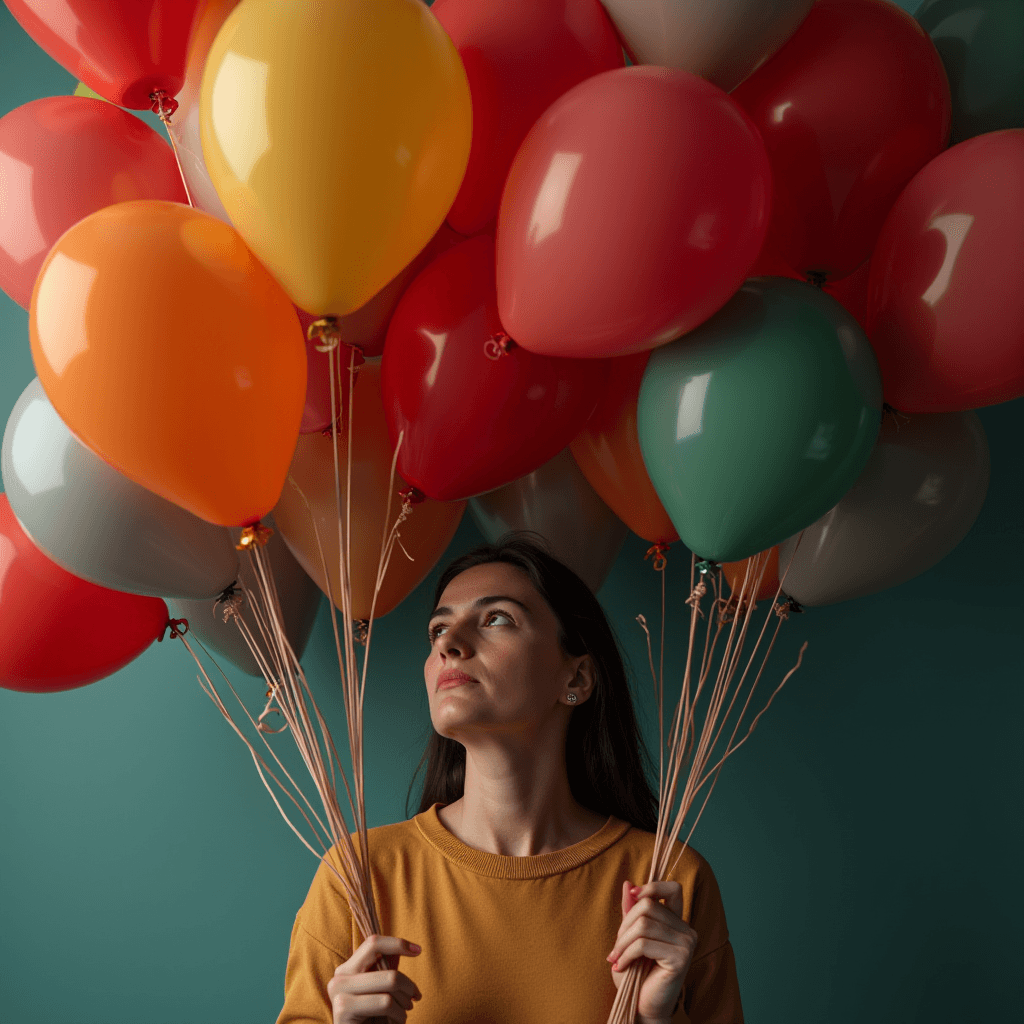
x: 289, y: 694
x: 728, y: 618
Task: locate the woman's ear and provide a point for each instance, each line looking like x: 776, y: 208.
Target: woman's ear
x: 585, y: 678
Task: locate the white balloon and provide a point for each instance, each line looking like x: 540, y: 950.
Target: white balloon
x: 723, y: 41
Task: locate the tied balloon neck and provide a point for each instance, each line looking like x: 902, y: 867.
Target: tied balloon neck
x: 361, y: 630
x: 229, y: 602
x: 706, y: 565
x: 657, y: 553
x: 178, y: 627
x: 255, y: 536
x: 788, y: 607
x: 326, y: 333
x: 817, y: 278
x: 164, y: 106
x: 899, y: 418
x: 497, y: 345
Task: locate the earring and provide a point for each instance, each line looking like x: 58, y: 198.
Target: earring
x: 571, y: 698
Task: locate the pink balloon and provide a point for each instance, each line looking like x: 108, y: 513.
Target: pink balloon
x: 365, y: 328
x: 634, y: 209
x: 62, y: 158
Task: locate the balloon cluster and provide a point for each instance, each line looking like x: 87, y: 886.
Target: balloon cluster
x: 586, y: 265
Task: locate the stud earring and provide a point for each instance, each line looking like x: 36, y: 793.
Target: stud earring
x: 571, y: 698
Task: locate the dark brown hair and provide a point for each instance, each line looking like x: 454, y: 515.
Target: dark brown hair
x: 606, y: 758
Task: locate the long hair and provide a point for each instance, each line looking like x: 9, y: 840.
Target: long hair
x: 606, y: 759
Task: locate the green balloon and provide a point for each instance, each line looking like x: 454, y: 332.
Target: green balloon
x: 756, y: 423
x: 981, y: 43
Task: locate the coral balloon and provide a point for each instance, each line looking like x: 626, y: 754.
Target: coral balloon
x: 633, y: 210
x: 475, y: 414
x: 607, y: 450
x: 519, y: 59
x: 172, y: 353
x: 850, y: 109
x: 946, y: 295
x: 336, y: 133
x: 308, y: 507
x: 59, y: 631
x: 62, y: 158
x: 366, y: 329
x: 122, y: 49
x: 735, y: 571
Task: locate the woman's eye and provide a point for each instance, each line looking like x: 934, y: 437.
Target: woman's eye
x: 500, y: 615
x: 434, y: 632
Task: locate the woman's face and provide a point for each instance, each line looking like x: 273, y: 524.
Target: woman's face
x: 494, y: 627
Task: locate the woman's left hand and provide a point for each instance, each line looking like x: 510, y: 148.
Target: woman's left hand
x: 657, y: 931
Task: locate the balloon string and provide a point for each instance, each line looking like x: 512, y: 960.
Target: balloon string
x: 164, y: 107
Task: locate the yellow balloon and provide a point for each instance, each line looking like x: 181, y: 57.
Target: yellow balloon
x: 336, y: 133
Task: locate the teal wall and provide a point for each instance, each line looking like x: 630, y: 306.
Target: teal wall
x: 863, y: 837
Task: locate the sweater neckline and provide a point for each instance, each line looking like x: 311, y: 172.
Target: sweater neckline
x: 498, y: 865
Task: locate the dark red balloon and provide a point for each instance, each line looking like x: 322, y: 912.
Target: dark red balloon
x: 850, y: 109
x: 62, y: 158
x: 476, y: 413
x: 852, y: 292
x: 57, y: 631
x: 519, y: 58
x: 946, y: 294
x: 122, y: 49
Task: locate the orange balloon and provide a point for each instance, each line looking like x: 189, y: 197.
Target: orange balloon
x: 607, y: 450
x: 169, y: 350
x: 425, y: 534
x: 734, y: 571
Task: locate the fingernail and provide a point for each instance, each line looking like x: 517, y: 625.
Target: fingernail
x: 415, y: 948
x: 609, y: 958
x: 634, y: 890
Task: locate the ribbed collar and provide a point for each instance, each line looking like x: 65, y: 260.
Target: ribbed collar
x: 499, y: 866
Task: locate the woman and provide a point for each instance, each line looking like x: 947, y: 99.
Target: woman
x: 536, y: 827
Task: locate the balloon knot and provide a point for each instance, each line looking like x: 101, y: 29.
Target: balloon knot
x: 256, y: 535
x: 412, y: 495
x: 706, y: 565
x: 498, y: 345
x: 164, y: 106
x: 179, y: 627
x: 817, y: 278
x: 360, y: 630
x: 232, y: 598
x: 787, y: 607
x: 898, y: 417
x: 657, y: 552
x: 695, y: 595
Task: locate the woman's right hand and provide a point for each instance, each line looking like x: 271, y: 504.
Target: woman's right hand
x: 358, y: 992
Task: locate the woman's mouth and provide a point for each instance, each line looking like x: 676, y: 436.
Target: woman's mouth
x: 452, y: 677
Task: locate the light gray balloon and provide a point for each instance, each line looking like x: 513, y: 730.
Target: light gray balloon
x: 721, y: 40
x: 95, y: 522
x: 918, y: 495
x: 557, y: 502
x: 298, y: 594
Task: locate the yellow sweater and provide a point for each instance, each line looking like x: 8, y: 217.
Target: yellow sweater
x: 507, y: 940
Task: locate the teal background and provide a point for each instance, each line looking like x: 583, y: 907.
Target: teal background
x: 863, y: 838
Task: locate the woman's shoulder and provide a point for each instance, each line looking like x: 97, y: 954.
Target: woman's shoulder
x: 684, y: 863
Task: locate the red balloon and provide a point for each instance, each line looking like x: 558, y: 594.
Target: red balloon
x: 946, y: 294
x: 850, y: 109
x: 633, y: 211
x: 59, y: 631
x: 476, y: 413
x: 366, y: 328
x: 519, y: 58
x: 852, y: 292
x: 122, y: 49
x: 62, y: 158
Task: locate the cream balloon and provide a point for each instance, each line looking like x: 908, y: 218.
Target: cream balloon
x: 722, y: 41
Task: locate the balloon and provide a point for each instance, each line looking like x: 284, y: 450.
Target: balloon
x: 184, y: 125
x: 336, y: 133
x: 172, y: 353
x: 98, y: 524
x: 735, y: 571
x: 758, y: 423
x: 981, y: 43
x: 850, y: 109
x: 62, y: 158
x: 59, y: 631
x: 918, y: 495
x: 122, y: 49
x: 946, y: 294
x: 607, y: 451
x: 519, y: 59
x: 720, y: 40
x: 852, y: 293
x: 424, y: 535
x: 366, y: 328
x: 632, y: 211
x: 298, y: 595
x: 556, y: 501
x: 474, y: 417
